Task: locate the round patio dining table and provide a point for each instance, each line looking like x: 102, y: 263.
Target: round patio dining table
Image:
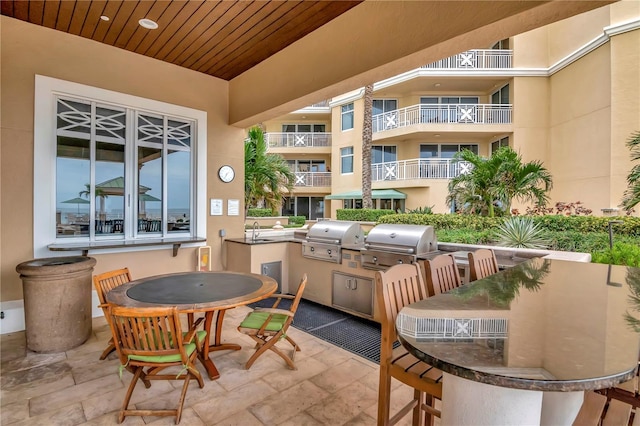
x: 211, y: 293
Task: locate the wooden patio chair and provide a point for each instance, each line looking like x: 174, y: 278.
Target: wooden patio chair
x: 399, y: 286
x: 441, y: 274
x: 104, y: 283
x: 482, y: 263
x: 598, y: 410
x: 150, y: 340
x: 268, y: 325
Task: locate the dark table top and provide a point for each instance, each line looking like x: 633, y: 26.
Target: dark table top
x: 194, y: 291
x: 544, y: 324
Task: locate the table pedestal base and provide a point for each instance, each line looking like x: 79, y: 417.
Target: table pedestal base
x: 465, y: 402
x: 213, y: 341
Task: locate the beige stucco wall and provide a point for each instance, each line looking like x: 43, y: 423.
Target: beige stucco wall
x: 580, y: 131
x: 625, y: 108
x: 27, y: 50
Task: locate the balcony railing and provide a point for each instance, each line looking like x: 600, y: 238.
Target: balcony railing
x: 419, y: 168
x: 443, y: 113
x: 313, y: 179
x: 475, y: 59
x: 298, y: 140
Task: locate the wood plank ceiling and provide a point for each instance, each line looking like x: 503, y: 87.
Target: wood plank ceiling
x: 219, y: 38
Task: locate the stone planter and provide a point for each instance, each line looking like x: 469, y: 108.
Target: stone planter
x: 57, y: 302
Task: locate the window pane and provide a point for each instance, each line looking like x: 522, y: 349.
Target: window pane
x: 377, y: 106
x: 109, y: 193
x: 149, y: 190
x: 376, y: 154
x: 304, y: 128
x: 346, y: 160
x: 448, y: 151
x: 428, y: 151
x: 288, y: 128
x: 110, y: 124
x: 178, y: 191
x: 469, y: 100
x: 389, y: 154
x: 179, y: 133
x: 347, y: 116
x: 319, y: 128
x: 73, y: 174
x: 504, y: 95
x: 428, y: 100
x: 73, y: 118
x: 150, y: 129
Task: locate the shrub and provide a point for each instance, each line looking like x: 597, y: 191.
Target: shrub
x: 521, y: 232
x: 297, y: 220
x: 465, y: 236
x: 620, y: 254
x: 421, y: 210
x: 260, y: 213
x: 362, y: 215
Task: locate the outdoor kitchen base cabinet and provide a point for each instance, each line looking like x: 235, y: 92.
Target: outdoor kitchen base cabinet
x: 353, y: 293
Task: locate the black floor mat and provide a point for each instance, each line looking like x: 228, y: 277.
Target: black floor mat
x: 354, y: 334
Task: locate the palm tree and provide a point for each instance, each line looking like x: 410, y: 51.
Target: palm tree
x: 367, y: 136
x: 631, y: 196
x: 498, y: 180
x: 265, y: 175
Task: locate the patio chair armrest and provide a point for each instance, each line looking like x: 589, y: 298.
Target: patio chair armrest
x: 284, y: 296
x: 275, y: 311
x: 192, y: 331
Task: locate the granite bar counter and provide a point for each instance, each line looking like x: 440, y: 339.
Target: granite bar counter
x: 521, y: 346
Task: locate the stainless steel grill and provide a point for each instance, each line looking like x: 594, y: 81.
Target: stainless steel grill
x: 387, y: 245
x: 326, y: 239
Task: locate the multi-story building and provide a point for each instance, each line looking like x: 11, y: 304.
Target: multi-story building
x: 567, y: 94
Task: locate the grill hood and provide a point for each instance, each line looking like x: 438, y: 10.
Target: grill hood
x: 407, y: 239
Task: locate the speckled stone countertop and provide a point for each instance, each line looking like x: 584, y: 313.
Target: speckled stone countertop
x: 545, y: 324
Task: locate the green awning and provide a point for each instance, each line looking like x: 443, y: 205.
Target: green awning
x: 375, y: 194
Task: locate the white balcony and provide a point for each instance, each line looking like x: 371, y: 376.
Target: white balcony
x: 475, y: 59
x: 419, y: 168
x: 443, y: 113
x: 312, y: 179
x: 298, y: 140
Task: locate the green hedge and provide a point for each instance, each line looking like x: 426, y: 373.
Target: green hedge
x: 260, y: 213
x: 297, y: 220
x: 362, y: 215
x: 555, y: 223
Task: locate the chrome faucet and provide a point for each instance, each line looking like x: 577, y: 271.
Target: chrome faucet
x: 255, y: 234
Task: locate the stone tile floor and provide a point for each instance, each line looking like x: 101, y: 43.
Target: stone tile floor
x: 331, y: 386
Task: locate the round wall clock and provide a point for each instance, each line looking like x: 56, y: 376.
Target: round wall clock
x: 226, y: 173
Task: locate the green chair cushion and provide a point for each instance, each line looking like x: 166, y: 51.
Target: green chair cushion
x: 189, y: 348
x: 256, y: 319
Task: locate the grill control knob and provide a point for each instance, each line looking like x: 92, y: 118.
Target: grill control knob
x: 375, y: 259
x: 329, y: 252
x: 400, y: 261
x: 312, y: 249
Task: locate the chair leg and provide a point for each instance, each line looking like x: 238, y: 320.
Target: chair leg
x: 418, y: 396
x: 110, y: 348
x: 183, y: 394
x: 293, y: 343
x: 262, y: 347
x: 384, y: 397
x: 127, y: 397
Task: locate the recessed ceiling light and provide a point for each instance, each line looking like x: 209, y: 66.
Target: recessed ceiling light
x: 437, y: 136
x: 437, y: 85
x: 104, y: 17
x: 148, y: 23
